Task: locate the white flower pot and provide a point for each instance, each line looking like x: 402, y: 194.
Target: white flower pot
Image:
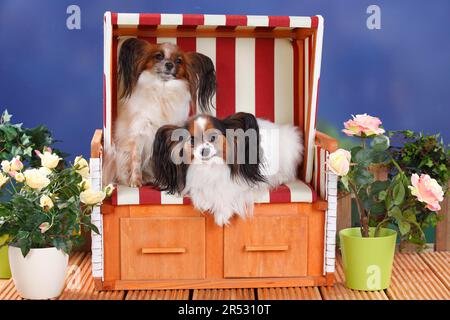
x: 41, y: 274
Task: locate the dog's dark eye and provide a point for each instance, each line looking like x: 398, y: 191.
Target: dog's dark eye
x: 212, y: 139
x: 178, y: 61
x: 159, y: 56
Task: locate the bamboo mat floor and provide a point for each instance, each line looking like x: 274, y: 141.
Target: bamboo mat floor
x: 415, y: 276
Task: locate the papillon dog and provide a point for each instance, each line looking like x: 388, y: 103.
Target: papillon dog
x: 222, y: 164
x: 158, y: 85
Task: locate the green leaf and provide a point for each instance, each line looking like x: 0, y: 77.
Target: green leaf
x: 344, y: 181
x: 380, y: 143
x: 25, y: 139
x: 16, y: 151
x: 395, y: 212
x: 6, y: 117
x: 28, y: 151
x: 22, y: 234
x: 362, y: 176
x: 10, y: 132
x: 404, y: 227
x: 377, y: 208
x: 363, y: 157
x: 382, y: 195
x: 379, y: 156
x: 379, y: 186
x: 398, y: 194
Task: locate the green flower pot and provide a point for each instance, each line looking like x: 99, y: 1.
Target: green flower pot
x: 367, y: 262
x: 5, y: 272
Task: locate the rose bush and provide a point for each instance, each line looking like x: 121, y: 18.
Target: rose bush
x: 48, y: 205
x: 394, y: 201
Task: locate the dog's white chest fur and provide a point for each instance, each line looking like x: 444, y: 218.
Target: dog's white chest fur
x: 157, y: 102
x: 212, y: 188
x: 152, y: 104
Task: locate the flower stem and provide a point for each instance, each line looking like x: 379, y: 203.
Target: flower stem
x: 363, y: 216
x: 380, y: 225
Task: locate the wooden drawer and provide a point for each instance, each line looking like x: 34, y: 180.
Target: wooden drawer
x: 270, y: 246
x: 162, y: 248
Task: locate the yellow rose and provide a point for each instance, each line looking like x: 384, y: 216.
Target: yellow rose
x: 92, y: 197
x: 3, y: 179
x: 6, y: 166
x: 109, y: 190
x: 19, y: 177
x: 339, y: 162
x: 46, y: 202
x: 36, y: 179
x: 45, y: 171
x: 49, y: 160
x: 85, y: 184
x: 82, y: 166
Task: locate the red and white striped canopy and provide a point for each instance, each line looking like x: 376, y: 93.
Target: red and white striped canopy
x: 272, y: 77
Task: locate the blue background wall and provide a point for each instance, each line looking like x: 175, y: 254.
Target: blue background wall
x: 401, y: 73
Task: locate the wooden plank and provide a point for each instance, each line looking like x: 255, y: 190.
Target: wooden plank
x: 344, y: 212
x: 3, y: 282
x: 96, y: 144
x: 9, y: 292
x: 157, y: 295
x: 224, y: 294
x: 81, y: 285
x: 293, y: 293
x: 413, y: 279
x: 439, y: 262
x: 443, y: 227
x: 340, y: 292
x: 219, y: 283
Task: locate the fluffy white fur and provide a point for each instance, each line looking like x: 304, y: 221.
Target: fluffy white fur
x: 211, y: 187
x: 152, y: 104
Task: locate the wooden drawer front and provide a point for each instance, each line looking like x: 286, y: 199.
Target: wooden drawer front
x: 162, y: 248
x: 266, y: 247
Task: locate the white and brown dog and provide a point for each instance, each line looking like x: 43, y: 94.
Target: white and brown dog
x: 220, y: 164
x: 158, y: 85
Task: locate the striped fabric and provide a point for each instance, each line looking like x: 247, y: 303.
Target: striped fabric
x: 258, y: 75
x: 320, y: 171
x: 296, y: 191
x: 272, y: 78
x: 126, y: 20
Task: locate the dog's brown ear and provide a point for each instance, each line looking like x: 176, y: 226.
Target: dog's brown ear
x: 133, y: 56
x: 246, y: 148
x: 202, y: 79
x: 167, y: 163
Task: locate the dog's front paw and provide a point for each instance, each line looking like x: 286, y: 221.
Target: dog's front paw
x: 136, y: 182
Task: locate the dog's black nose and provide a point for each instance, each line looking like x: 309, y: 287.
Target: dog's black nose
x: 169, y: 65
x: 205, y: 152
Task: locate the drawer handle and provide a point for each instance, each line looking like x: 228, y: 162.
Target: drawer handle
x: 266, y: 248
x: 163, y: 250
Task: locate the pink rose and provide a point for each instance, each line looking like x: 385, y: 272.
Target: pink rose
x: 44, y: 227
x: 16, y: 164
x: 363, y: 124
x: 427, y: 190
